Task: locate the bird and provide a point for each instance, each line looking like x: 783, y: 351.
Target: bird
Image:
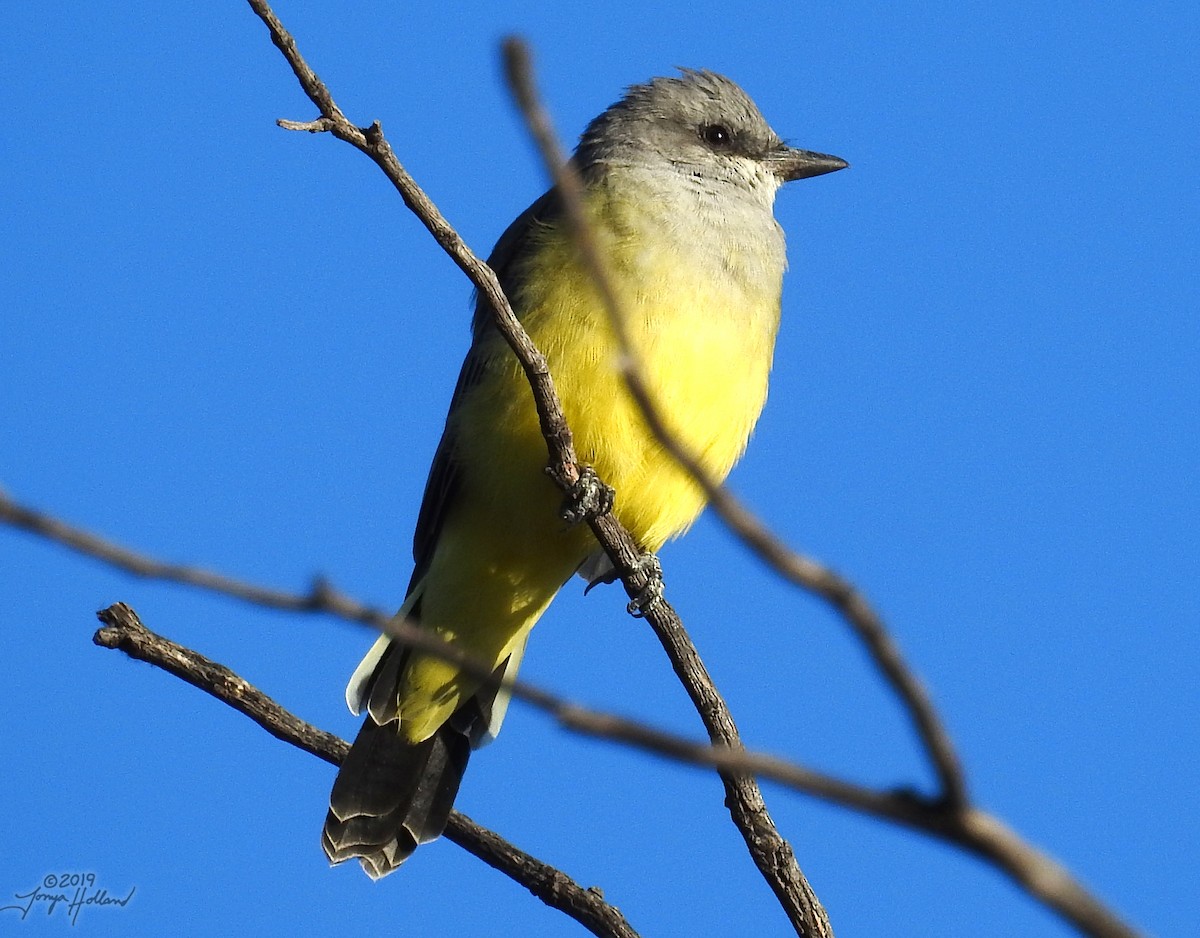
x: 679, y: 178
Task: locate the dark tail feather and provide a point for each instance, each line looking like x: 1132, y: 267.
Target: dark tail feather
x: 392, y: 795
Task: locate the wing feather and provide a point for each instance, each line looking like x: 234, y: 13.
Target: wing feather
x: 444, y: 473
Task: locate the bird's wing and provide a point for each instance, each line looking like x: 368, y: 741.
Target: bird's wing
x: 444, y: 473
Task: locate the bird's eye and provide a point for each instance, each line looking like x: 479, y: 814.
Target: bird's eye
x: 716, y: 136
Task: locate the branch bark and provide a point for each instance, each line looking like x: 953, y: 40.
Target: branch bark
x: 568, y: 714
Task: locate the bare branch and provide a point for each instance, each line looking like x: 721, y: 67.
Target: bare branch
x: 124, y: 630
x: 794, y: 567
x: 321, y: 598
x: 570, y: 715
x: 771, y: 853
x: 371, y: 141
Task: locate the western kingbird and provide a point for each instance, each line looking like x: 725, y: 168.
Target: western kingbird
x: 679, y: 178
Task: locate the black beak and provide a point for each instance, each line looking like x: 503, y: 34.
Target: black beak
x: 791, y: 164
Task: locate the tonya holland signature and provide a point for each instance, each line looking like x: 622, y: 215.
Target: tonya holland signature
x: 70, y: 891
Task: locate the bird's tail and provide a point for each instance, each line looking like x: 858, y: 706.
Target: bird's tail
x: 392, y: 795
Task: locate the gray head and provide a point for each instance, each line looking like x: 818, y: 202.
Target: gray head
x: 700, y: 125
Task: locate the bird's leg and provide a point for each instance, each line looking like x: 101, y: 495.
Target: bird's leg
x: 590, y: 498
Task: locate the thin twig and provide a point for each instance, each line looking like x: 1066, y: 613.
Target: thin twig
x: 321, y: 597
x: 370, y: 141
x: 948, y: 816
x: 792, y: 566
x: 124, y: 630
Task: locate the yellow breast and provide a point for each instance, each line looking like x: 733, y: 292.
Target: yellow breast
x: 702, y: 325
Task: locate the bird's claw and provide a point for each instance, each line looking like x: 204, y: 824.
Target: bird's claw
x: 589, y: 498
x: 608, y: 577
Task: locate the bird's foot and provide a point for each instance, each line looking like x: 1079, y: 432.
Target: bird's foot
x: 599, y: 571
x: 589, y: 498
x: 653, y: 591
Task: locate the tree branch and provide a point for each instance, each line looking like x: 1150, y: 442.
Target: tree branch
x: 568, y: 714
x: 321, y: 597
x: 124, y: 630
x: 799, y: 570
x: 370, y: 141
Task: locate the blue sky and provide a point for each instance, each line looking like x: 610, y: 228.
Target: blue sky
x: 229, y: 345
